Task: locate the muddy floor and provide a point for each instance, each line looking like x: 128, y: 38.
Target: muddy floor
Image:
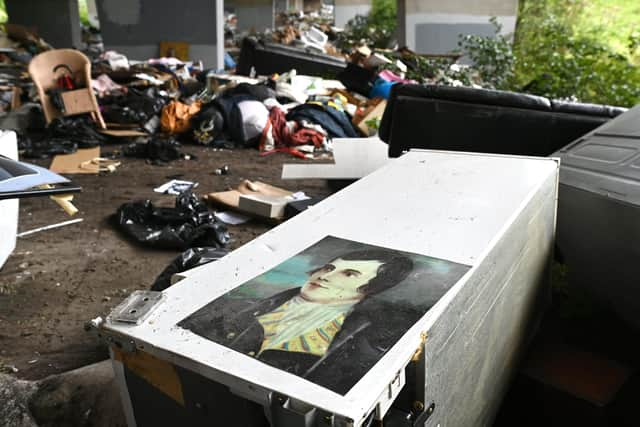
x: 57, y: 280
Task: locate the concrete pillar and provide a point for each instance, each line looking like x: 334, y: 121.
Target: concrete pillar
x: 345, y: 10
x: 92, y: 11
x: 136, y: 27
x: 255, y: 15
x: 433, y: 26
x: 56, y: 21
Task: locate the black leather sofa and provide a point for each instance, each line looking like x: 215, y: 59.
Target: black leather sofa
x: 487, y: 121
x: 269, y: 58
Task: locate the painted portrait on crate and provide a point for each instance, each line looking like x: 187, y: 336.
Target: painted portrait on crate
x: 329, y: 313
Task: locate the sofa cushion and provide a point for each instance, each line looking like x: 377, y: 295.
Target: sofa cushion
x: 586, y: 109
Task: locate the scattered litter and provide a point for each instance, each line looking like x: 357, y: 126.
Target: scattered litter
x: 64, y: 201
x: 231, y: 199
x: 78, y: 162
x: 175, y: 187
x: 189, y: 259
x: 186, y: 225
x: 50, y: 227
x: 232, y: 218
x: 157, y: 150
x: 224, y: 170
x: 9, y: 368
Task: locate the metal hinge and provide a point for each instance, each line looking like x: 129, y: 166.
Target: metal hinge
x: 136, y: 308
x: 132, y: 311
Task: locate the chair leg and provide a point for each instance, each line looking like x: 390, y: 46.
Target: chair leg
x: 100, y: 120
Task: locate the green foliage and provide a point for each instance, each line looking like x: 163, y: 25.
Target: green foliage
x: 376, y: 30
x: 558, y: 58
x: 3, y: 12
x: 84, y: 12
x: 492, y: 57
x: 384, y: 14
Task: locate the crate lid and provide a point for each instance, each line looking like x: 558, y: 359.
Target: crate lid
x: 447, y: 209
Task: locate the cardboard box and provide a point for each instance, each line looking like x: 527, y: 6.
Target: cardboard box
x: 412, y: 292
x: 264, y: 206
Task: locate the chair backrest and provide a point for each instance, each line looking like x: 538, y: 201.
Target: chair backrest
x: 41, y: 71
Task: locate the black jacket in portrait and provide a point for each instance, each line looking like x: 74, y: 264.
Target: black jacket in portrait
x: 369, y: 330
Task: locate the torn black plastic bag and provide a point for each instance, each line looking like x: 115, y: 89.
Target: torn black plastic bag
x: 188, y: 224
x: 64, y: 135
x: 78, y: 129
x: 187, y: 260
x: 157, y: 149
x: 45, y: 148
x: 134, y: 107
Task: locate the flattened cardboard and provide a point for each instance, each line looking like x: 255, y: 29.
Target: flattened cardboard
x: 122, y: 133
x: 354, y: 158
x: 78, y: 162
x: 77, y: 102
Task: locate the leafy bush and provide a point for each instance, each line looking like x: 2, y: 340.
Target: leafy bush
x: 376, y: 30
x: 492, y: 57
x: 557, y: 59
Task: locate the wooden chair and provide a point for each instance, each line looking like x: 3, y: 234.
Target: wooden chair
x: 42, y: 73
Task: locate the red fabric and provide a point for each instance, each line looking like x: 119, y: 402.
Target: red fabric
x: 307, y: 136
x: 284, y: 139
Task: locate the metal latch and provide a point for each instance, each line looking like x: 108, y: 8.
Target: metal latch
x: 136, y: 308
x: 416, y: 418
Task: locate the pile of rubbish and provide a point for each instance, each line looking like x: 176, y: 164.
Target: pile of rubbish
x: 18, y: 45
x: 160, y: 104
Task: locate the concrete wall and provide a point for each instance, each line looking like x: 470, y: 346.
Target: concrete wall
x: 255, y: 15
x: 136, y: 27
x: 56, y: 21
x: 345, y: 10
x: 433, y: 26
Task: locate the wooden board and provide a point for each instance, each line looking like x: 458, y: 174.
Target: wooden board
x: 178, y: 50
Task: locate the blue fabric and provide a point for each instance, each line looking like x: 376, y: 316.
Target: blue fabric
x: 335, y: 122
x: 228, y: 61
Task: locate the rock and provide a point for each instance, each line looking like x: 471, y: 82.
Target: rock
x: 14, y: 395
x: 87, y: 396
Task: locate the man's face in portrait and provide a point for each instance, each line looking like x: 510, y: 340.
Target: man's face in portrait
x: 339, y: 280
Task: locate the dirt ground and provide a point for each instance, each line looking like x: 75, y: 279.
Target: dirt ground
x: 57, y: 280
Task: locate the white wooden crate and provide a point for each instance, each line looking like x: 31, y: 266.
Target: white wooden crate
x: 8, y: 208
x: 493, y: 214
